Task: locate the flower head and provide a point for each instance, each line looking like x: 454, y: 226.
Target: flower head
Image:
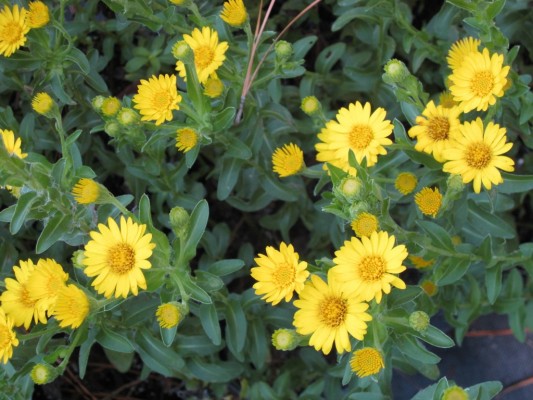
x: 180, y: 49
x: 365, y: 224
x: 11, y: 145
x: 477, y: 154
x: 419, y: 321
x: 405, y: 182
x: 479, y: 81
x: 38, y: 14
x: 234, y: 13
x: 156, y: 98
x: 41, y: 374
x: 461, y: 49
x: 396, y: 71
x: 369, y: 265
x: 213, y: 87
x: 72, y: 307
x: 419, y: 262
x: 366, y: 361
x: 429, y: 201
x: 186, y: 139
x: 285, y: 339
x: 13, y: 29
x: 168, y: 315
x: 45, y: 282
x: 127, y: 116
x: 455, y: 393
x: 110, y: 106
x: 330, y: 315
x: 279, y: 274
x: 429, y: 288
x: 358, y: 129
x: 351, y: 188
x: 117, y: 255
x: 288, y: 160
x: 209, y: 54
x: 8, y: 338
x: 42, y: 103
x: 86, y: 191
x: 310, y: 105
x: 435, y: 128
x: 446, y: 100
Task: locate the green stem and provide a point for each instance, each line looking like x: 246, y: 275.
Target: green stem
x: 33, y: 335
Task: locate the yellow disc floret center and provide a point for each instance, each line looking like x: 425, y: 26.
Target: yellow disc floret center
x: 478, y: 155
x: 438, y: 128
x: 5, y: 337
x: 284, y: 275
x: 121, y: 258
x: 360, y: 137
x: 188, y: 138
x: 292, y: 163
x: 25, y: 298
x: 482, y: 83
x: 372, y: 268
x: 161, y: 100
x: 333, y: 311
x: 203, y: 56
x: 12, y: 32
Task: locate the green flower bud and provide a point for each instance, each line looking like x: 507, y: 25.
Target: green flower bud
x: 396, y: 71
x: 97, y: 103
x: 455, y: 393
x: 127, y: 116
x: 112, y: 128
x: 350, y: 187
x: 285, y: 339
x: 283, y: 50
x: 179, y: 221
x: 181, y: 50
x: 77, y: 259
x: 310, y: 105
x: 42, y: 374
x: 419, y: 321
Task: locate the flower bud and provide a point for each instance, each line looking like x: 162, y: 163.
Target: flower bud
x: 97, y: 103
x: 110, y: 106
x: 419, y: 321
x: 77, y: 259
x: 171, y: 314
x: 42, y: 374
x: 350, y: 187
x: 283, y: 50
x: 455, y: 393
x: 285, y: 339
x: 112, y: 128
x: 396, y: 71
x: 181, y: 50
x: 43, y: 104
x: 310, y: 105
x: 179, y: 221
x: 127, y: 116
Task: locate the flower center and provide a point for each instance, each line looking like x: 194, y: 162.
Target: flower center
x: 170, y: 315
x: 360, y: 137
x: 367, y: 361
x: 284, y: 275
x: 292, y: 163
x: 478, y: 155
x: 161, y: 100
x: 5, y: 337
x: 438, y: 128
x: 333, y: 311
x: 203, y: 56
x: 371, y: 268
x: 482, y: 83
x: 188, y: 138
x: 12, y: 33
x: 26, y: 299
x: 121, y: 258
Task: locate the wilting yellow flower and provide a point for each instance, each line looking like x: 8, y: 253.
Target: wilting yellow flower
x: 420, y: 262
x: 429, y: 288
x: 86, y: 191
x: 233, y: 13
x: 405, y: 182
x: 42, y: 103
x: 435, y: 128
x: 366, y: 361
x: 186, y: 139
x: 479, y: 80
x: 310, y: 105
x: 110, y: 106
x: 213, y: 87
x: 365, y: 224
x: 330, y: 315
x: 356, y: 129
x: 13, y: 29
x: 476, y: 155
x: 460, y: 50
x: 285, y: 339
x: 209, y: 54
x: 168, y: 315
x: 8, y: 336
x: 12, y: 146
x: 446, y: 100
x: 156, y: 98
x: 117, y: 255
x: 38, y: 14
x: 279, y: 274
x: 455, y: 393
x: 369, y: 265
x: 16, y: 300
x: 71, y: 307
x: 45, y: 282
x: 288, y: 160
x: 429, y: 201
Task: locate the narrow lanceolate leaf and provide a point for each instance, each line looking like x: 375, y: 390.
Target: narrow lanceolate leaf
x: 57, y: 226
x: 236, y: 328
x: 209, y: 319
x: 22, y: 209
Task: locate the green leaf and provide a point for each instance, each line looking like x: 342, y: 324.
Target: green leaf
x: 85, y: 350
x: 236, y: 328
x: 451, y: 271
x: 78, y: 57
x: 57, y: 226
x: 464, y: 4
x: 196, y: 228
x: 112, y: 340
x: 225, y: 267
x: 353, y: 13
x: 329, y: 57
x: 194, y: 90
x: 412, y: 348
x: 168, y: 335
x: 208, y: 281
x: 489, y: 223
x: 493, y: 282
x: 494, y: 8
x: 515, y: 183
x: 278, y: 190
x: 411, y: 112
x: 156, y: 355
x: 145, y: 214
x: 302, y: 46
x: 6, y: 215
x: 224, y: 119
x: 22, y: 209
x: 195, y: 291
x: 121, y: 361
x: 220, y: 372
x: 209, y: 319
x: 228, y: 177
x: 259, y: 344
x: 439, y: 236
x: 198, y: 345
x: 238, y: 149
x: 435, y: 337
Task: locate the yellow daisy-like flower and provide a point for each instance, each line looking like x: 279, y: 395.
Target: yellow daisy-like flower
x: 86, y: 191
x: 42, y: 103
x: 168, y: 315
x: 460, y: 50
x: 365, y: 224
x: 45, y: 282
x: 429, y: 201
x: 330, y: 315
x: 368, y: 265
x: 234, y: 13
x: 435, y: 128
x: 8, y: 337
x: 156, y: 98
x: 117, y: 255
x: 209, y: 54
x: 479, y: 80
x: 357, y: 129
x: 279, y: 274
x: 455, y: 393
x: 446, y: 100
x: 420, y: 262
x: 366, y: 361
x: 213, y: 87
x: 405, y: 182
x: 13, y: 29
x: 186, y: 139
x: 12, y: 146
x: 38, y: 14
x: 288, y: 160
x: 476, y: 155
x: 110, y: 106
x: 16, y: 300
x: 72, y: 307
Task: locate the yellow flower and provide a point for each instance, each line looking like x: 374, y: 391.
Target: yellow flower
x: 72, y: 307
x: 179, y: 2
x: 310, y: 105
x: 117, y: 255
x: 45, y: 282
x: 405, y: 182
x: 365, y: 224
x: 429, y: 201
x: 279, y: 274
x: 42, y: 103
x: 233, y: 13
x: 357, y: 129
x: 366, y: 361
x: 213, y: 87
x: 8, y: 338
x: 13, y: 29
x: 16, y: 300
x: 476, y: 155
x: 330, y: 315
x: 288, y: 160
x: 446, y: 100
x: 168, y: 315
x: 435, y: 128
x: 86, y: 191
x: 208, y: 53
x: 420, y: 262
x: 11, y: 145
x: 186, y: 139
x: 156, y: 98
x: 38, y: 14
x: 455, y: 393
x: 479, y: 80
x: 460, y: 50
x: 110, y: 106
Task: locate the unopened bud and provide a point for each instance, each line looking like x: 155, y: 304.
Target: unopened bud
x: 419, y: 321
x: 42, y: 374
x: 179, y: 221
x: 283, y: 50
x: 285, y: 339
x: 396, y: 71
